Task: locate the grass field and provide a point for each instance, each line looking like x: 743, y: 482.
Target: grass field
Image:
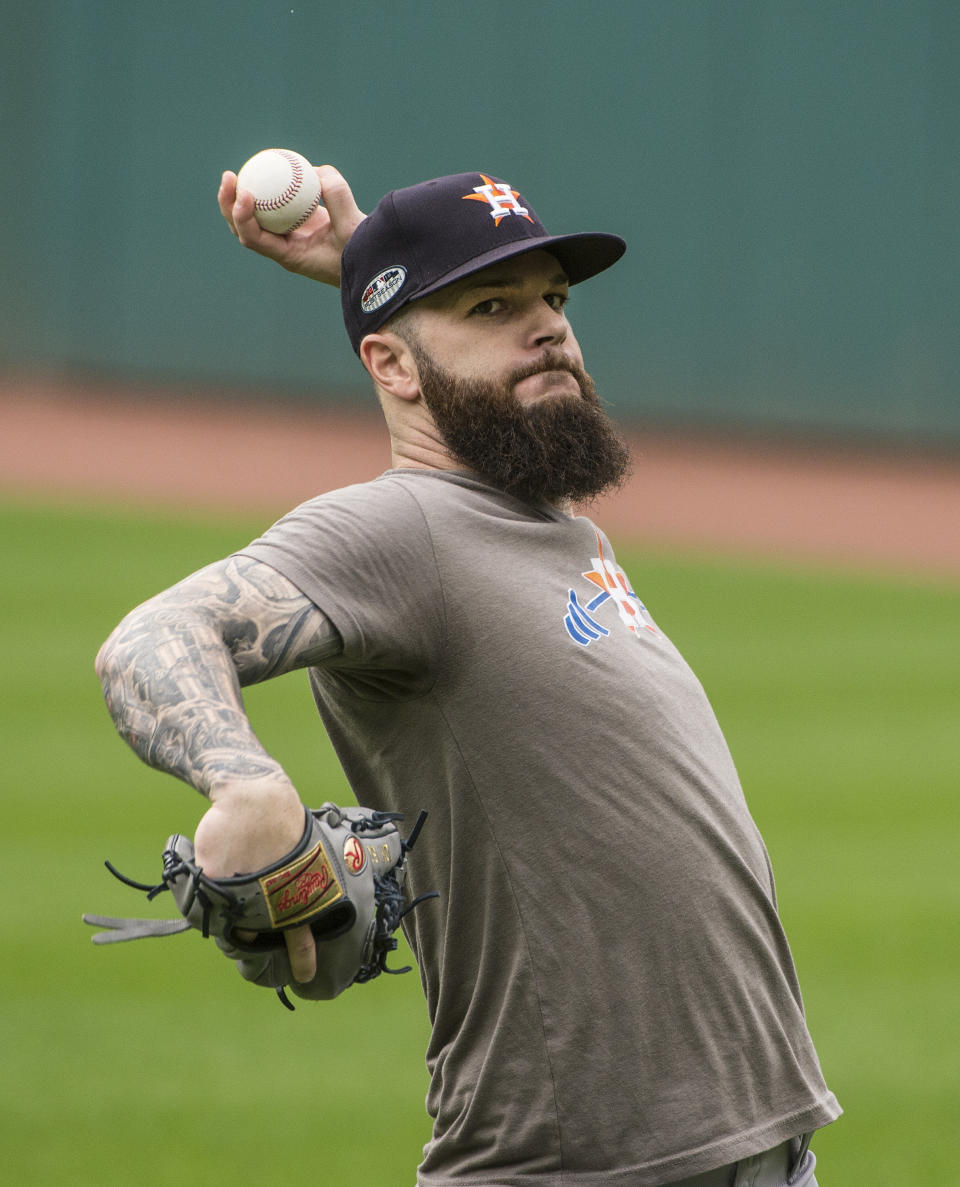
x: 153, y: 1063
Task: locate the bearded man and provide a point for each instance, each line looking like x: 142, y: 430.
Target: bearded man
x: 611, y: 993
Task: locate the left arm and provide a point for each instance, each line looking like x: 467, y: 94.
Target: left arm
x: 172, y: 673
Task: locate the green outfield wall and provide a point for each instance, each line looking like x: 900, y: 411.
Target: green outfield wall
x: 786, y: 172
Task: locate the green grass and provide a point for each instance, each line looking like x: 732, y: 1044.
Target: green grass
x: 840, y: 698
x: 153, y: 1063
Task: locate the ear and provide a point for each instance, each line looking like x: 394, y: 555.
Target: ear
x: 391, y: 365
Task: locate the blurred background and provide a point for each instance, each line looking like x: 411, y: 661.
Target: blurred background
x: 781, y: 339
x: 785, y: 171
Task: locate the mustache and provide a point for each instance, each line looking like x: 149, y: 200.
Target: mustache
x: 554, y: 359
x: 550, y: 360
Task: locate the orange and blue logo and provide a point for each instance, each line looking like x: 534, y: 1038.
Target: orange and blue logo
x: 500, y: 197
x: 581, y: 622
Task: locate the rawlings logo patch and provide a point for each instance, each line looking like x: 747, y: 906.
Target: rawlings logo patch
x: 302, y: 889
x: 354, y: 855
x: 379, y: 291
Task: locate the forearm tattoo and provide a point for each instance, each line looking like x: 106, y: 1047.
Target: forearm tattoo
x: 173, y: 669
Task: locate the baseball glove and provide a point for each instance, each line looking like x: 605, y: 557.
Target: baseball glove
x: 344, y: 878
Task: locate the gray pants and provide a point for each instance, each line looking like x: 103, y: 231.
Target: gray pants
x: 788, y: 1165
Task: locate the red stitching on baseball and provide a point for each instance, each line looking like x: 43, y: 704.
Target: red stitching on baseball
x: 300, y: 221
x: 282, y: 199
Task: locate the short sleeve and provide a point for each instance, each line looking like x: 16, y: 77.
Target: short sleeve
x: 364, y: 556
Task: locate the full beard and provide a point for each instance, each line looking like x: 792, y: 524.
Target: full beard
x: 557, y: 449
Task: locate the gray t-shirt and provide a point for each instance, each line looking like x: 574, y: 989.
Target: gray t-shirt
x: 611, y: 993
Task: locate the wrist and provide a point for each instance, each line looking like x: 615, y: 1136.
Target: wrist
x: 249, y: 827
x: 269, y: 787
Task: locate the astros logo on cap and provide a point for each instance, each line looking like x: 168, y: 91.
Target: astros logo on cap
x: 503, y: 200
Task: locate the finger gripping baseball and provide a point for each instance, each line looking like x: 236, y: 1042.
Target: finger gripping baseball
x: 344, y: 880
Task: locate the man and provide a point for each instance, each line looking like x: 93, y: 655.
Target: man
x: 611, y: 994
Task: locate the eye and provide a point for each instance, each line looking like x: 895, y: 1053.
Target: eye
x: 488, y: 307
x: 557, y: 301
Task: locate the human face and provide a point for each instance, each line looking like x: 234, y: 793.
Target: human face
x: 535, y: 429
x: 507, y: 319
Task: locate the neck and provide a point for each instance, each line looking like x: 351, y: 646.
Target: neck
x: 420, y: 455
x: 414, y: 439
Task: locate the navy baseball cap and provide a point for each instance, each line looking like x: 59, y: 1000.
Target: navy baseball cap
x: 427, y: 236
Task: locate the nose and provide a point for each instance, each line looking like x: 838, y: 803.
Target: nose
x: 549, y: 326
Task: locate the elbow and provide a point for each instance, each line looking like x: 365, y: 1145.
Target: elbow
x: 114, y: 666
x: 101, y: 663
x: 108, y: 669
x: 107, y: 660
x: 128, y: 639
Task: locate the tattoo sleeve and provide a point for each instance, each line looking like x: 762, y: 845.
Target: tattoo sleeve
x: 173, y: 669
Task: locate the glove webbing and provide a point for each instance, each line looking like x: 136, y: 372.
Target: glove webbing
x: 141, y: 929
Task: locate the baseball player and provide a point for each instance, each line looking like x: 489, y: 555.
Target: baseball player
x: 611, y: 994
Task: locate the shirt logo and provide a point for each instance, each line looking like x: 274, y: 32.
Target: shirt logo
x: 500, y: 197
x: 580, y: 623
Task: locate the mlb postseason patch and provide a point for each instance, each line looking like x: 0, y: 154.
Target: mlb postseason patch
x: 384, y: 286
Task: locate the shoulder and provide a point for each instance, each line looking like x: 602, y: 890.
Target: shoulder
x: 378, y: 507
x: 397, y: 499
x: 370, y: 533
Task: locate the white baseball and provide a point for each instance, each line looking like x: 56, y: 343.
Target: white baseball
x: 284, y: 187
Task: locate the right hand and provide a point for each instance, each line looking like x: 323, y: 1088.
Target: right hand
x: 312, y: 250
x: 249, y: 827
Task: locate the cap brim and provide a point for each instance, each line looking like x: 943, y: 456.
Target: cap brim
x: 581, y: 256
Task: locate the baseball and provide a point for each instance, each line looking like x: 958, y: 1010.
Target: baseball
x: 284, y: 186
